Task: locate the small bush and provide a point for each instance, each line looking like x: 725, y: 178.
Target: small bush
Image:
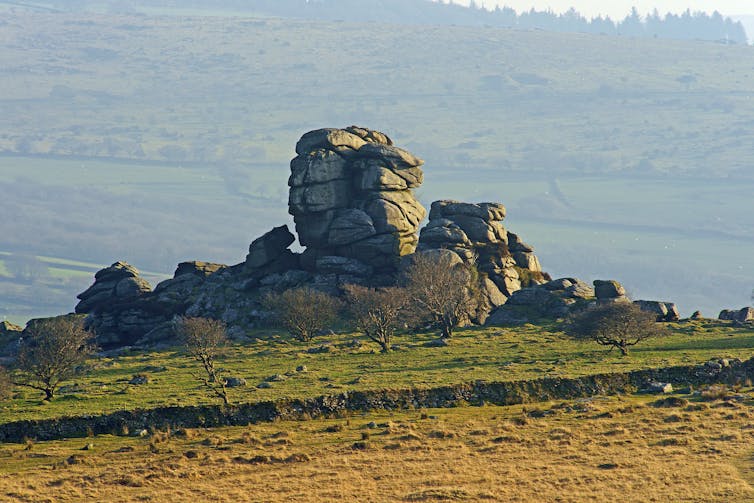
x: 617, y: 325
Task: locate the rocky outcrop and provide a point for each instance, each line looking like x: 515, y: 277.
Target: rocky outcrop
x: 9, y: 329
x: 665, y: 311
x: 120, y: 281
x: 357, y: 218
x: 743, y: 315
x: 9, y: 336
x: 475, y: 233
x: 351, y: 196
x: 554, y: 299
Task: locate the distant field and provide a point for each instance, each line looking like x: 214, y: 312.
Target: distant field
x: 492, y: 354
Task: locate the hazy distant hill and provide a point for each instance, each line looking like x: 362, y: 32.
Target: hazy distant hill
x: 156, y: 139
x: 687, y: 26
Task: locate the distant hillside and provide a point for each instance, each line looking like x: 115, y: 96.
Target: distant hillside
x: 159, y: 139
x: 687, y: 26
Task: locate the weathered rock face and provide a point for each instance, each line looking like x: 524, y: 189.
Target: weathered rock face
x: 120, y: 281
x: 608, y: 291
x: 744, y: 315
x: 476, y: 234
x: 7, y: 328
x: 351, y: 197
x: 665, y: 311
x: 554, y: 299
x: 9, y: 336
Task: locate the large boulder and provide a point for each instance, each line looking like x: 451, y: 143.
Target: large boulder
x: 608, y: 289
x: 269, y: 247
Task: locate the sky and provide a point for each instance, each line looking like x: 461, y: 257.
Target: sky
x: 617, y: 9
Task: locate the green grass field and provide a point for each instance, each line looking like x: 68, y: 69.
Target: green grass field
x: 494, y: 354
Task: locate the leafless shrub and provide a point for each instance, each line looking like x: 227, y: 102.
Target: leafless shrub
x: 376, y: 312
x: 440, y: 288
x: 52, y: 351
x: 205, y: 339
x: 303, y: 312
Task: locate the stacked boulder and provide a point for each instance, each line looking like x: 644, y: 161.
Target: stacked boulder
x: 476, y: 234
x: 116, y: 305
x: 351, y: 196
x: 120, y: 281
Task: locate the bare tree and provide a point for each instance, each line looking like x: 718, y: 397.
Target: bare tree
x: 443, y: 289
x: 377, y: 312
x: 303, y: 312
x: 618, y: 325
x: 205, y: 339
x: 51, y: 351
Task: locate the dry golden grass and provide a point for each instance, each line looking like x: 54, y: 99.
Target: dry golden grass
x: 605, y: 449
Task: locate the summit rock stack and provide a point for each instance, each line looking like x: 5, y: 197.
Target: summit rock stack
x: 352, y: 200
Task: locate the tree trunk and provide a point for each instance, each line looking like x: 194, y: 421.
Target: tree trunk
x: 385, y: 347
x: 49, y: 393
x: 623, y: 349
x: 447, y: 331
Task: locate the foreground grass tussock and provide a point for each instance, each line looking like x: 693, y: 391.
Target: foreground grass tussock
x: 601, y: 449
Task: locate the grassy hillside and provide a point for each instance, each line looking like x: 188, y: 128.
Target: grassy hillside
x: 337, y: 363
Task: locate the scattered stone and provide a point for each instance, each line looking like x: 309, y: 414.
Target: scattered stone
x: 697, y: 315
x: 235, y: 382
x: 671, y: 401
x: 301, y: 368
x: 659, y: 387
x: 139, y: 380
x: 437, y: 343
x: 608, y: 466
x: 264, y: 385
x: 323, y: 348
x: 275, y: 378
x: 88, y: 447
